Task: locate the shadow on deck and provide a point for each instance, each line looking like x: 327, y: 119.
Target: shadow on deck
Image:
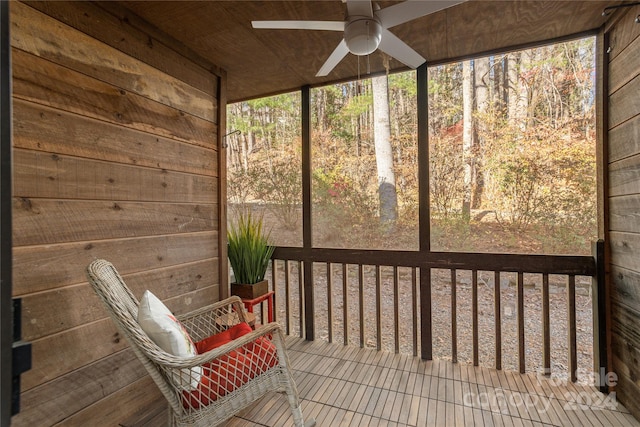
x: 349, y: 386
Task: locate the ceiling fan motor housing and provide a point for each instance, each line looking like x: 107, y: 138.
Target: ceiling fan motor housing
x: 363, y: 35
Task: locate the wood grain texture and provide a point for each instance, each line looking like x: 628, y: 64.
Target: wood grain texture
x: 49, y: 221
x: 624, y: 66
x: 127, y: 400
x: 60, y: 354
x: 281, y: 61
x: 41, y: 174
x: 625, y: 213
x: 40, y: 35
x: 623, y: 32
x: 120, y: 29
x: 56, y: 399
x: 627, y: 391
x: 624, y: 140
x: 47, y: 267
x: 624, y: 177
x: 520, y: 29
x: 626, y: 353
x: 625, y: 103
x: 624, y: 250
x: 183, y: 287
x: 64, y: 89
x: 625, y: 289
x: 40, y: 128
x: 438, y: 393
x: 115, y: 156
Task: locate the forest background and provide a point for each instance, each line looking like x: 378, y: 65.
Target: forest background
x: 511, y: 157
x: 512, y: 169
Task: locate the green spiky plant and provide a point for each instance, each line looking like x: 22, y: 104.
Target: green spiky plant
x: 249, y: 250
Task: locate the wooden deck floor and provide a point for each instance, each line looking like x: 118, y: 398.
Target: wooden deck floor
x: 349, y: 386
x: 353, y: 387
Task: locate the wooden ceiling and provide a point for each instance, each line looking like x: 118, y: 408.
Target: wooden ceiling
x: 261, y: 62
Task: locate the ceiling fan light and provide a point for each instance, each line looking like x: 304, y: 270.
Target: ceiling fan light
x: 363, y: 36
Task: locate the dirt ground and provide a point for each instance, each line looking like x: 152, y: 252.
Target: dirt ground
x: 482, y: 237
x: 441, y: 315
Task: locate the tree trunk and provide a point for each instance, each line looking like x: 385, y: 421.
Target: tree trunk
x: 384, y: 153
x: 483, y: 98
x: 467, y: 135
x: 515, y: 98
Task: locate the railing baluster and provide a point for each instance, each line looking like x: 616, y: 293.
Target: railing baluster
x: 330, y: 300
x: 426, y: 338
x: 497, y: 309
x: 454, y: 316
x: 274, y: 277
x: 571, y: 316
x: 287, y: 295
x: 546, y: 330
x: 521, y: 347
x: 378, y: 310
x: 414, y: 309
x: 422, y: 333
x: 361, y: 302
x: 301, y: 294
x: 474, y: 314
x: 396, y: 311
x: 345, y: 304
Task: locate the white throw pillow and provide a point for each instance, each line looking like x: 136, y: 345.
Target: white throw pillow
x: 169, y: 334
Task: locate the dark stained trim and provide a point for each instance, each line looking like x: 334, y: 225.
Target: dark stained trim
x: 424, y: 214
x: 601, y: 283
x: 600, y: 333
x: 307, y: 236
x: 223, y: 270
x: 579, y: 265
x: 6, y: 317
x: 423, y: 159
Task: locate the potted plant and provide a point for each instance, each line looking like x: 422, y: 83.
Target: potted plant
x: 249, y: 253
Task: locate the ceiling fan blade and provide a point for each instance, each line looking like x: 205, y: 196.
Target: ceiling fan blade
x: 360, y: 8
x: 392, y: 45
x: 300, y: 25
x: 340, y: 52
x: 411, y: 9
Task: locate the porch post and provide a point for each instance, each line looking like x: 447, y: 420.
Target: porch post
x: 6, y: 318
x: 599, y: 320
x: 424, y: 217
x: 602, y: 357
x: 306, y: 215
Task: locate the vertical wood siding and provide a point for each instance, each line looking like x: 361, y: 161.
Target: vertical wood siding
x: 115, y: 157
x: 624, y: 205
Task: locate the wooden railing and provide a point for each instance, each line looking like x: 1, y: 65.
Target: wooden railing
x: 343, y: 296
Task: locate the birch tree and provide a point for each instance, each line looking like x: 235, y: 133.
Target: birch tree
x: 467, y: 135
x: 384, y: 155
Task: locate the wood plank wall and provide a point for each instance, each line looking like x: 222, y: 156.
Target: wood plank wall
x: 115, y: 156
x: 624, y: 204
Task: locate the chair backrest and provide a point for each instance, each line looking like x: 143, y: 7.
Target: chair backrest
x: 122, y: 306
x: 110, y: 286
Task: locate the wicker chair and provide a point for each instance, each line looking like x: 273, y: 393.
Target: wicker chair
x: 231, y: 385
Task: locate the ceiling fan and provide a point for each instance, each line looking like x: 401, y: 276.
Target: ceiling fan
x: 367, y: 29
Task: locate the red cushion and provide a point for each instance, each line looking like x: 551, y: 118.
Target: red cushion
x: 230, y: 371
x: 220, y: 339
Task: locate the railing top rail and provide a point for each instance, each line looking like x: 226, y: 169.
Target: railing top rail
x: 579, y: 265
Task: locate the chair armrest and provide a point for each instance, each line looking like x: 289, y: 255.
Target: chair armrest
x: 273, y: 329
x: 205, y: 321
